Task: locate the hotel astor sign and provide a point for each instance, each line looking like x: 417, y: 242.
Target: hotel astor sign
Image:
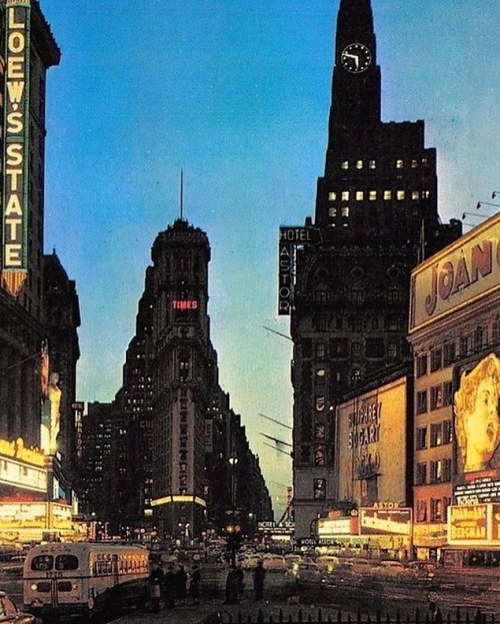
x: 458, y: 275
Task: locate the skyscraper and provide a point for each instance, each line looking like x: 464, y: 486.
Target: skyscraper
x: 345, y: 281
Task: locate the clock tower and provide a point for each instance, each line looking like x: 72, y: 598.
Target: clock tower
x: 375, y: 218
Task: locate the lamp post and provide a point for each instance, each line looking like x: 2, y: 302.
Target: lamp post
x: 233, y: 537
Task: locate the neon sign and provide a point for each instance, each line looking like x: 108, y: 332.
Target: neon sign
x: 15, y: 153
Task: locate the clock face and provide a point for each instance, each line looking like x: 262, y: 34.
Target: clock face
x: 356, y: 57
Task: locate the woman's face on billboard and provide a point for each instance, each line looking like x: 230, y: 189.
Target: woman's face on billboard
x: 482, y: 424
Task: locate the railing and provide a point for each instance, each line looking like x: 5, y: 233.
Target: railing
x: 298, y: 617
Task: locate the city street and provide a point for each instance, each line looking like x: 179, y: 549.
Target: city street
x: 368, y: 596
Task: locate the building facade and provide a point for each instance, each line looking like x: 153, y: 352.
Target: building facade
x: 345, y: 278
x: 454, y: 331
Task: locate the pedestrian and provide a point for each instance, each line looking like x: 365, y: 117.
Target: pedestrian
x: 241, y: 580
x: 181, y: 578
x: 194, y: 587
x: 435, y: 613
x: 169, y: 585
x: 259, y: 575
x: 155, y: 583
x: 232, y: 585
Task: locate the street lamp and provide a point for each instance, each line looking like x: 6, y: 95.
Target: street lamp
x: 233, y: 528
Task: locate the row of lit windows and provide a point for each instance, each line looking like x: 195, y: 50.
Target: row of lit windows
x: 399, y: 163
x: 441, y: 395
x: 438, y: 510
x: 441, y: 433
x: 373, y: 195
x: 440, y: 472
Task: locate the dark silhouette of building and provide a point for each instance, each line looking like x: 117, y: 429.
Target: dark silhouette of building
x: 347, y: 273
x: 169, y: 446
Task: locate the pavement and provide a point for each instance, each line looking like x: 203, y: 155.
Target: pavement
x: 218, y: 612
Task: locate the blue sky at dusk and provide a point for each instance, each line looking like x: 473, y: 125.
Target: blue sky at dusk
x: 236, y: 93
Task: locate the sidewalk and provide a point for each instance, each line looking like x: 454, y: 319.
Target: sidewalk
x: 195, y: 614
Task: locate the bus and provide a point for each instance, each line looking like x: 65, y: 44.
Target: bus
x: 84, y: 579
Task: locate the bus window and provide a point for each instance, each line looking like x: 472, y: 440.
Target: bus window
x: 42, y: 563
x: 66, y: 562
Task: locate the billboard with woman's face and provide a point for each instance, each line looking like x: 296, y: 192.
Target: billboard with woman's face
x: 477, y: 430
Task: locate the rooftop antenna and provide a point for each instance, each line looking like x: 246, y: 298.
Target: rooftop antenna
x: 181, y: 202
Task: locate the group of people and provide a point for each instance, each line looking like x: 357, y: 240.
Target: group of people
x: 235, y: 583
x: 171, y: 587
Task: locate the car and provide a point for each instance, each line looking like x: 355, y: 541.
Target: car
x: 420, y: 570
x: 10, y: 614
x: 274, y: 563
x: 250, y: 561
x: 389, y: 570
x: 292, y: 558
x: 345, y: 574
x: 305, y: 572
x: 327, y: 563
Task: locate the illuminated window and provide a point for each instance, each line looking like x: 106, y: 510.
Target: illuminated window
x: 447, y: 432
x: 332, y: 212
x: 399, y: 164
x: 345, y: 164
x: 424, y: 161
x: 319, y: 489
x: 414, y: 163
x: 436, y: 434
x: 436, y: 509
x: 345, y: 195
x: 400, y: 195
x: 436, y: 397
x: 332, y: 196
x: 320, y: 403
x: 319, y: 455
x: 372, y: 164
x: 359, y: 164
x: 387, y: 195
x: 359, y: 195
x: 437, y: 471
x: 426, y: 194
x: 372, y: 195
x: 392, y: 350
x: 344, y: 211
x: 415, y: 195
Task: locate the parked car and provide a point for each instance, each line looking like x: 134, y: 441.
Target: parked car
x: 388, y: 570
x: 363, y: 566
x: 420, y: 570
x: 345, y: 574
x: 292, y: 558
x: 250, y: 561
x: 275, y: 563
x: 10, y: 614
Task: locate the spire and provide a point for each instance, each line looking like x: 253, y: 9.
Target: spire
x: 356, y: 84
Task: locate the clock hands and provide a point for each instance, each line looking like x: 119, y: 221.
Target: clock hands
x: 353, y: 56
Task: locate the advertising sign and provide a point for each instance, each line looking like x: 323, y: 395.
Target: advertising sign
x: 15, y: 152
x: 467, y: 269
x: 374, y: 520
x: 468, y: 524
x: 477, y: 430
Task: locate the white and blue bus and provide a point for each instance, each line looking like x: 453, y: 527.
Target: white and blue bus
x: 84, y: 578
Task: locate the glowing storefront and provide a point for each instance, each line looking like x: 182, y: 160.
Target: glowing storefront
x: 455, y: 335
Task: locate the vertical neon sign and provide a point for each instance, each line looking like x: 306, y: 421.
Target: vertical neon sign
x: 15, y: 147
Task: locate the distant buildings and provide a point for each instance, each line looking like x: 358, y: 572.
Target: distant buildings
x: 179, y: 461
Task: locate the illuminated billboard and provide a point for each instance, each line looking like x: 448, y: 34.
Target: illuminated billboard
x: 477, y: 430
x: 379, y: 521
x: 15, y: 149
x: 369, y: 427
x: 460, y: 274
x: 474, y: 525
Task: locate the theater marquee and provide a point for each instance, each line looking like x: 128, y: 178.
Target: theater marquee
x: 15, y: 152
